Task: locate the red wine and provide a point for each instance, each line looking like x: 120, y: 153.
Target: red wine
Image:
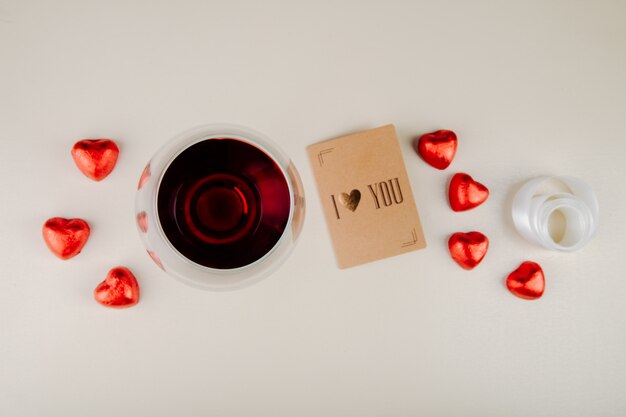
x: 223, y: 203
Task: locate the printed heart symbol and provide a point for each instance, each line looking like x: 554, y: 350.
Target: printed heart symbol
x: 350, y: 201
x: 145, y: 176
x: 437, y: 148
x: 65, y: 237
x: 156, y: 259
x: 465, y: 193
x: 527, y: 281
x: 119, y: 289
x: 142, y: 221
x: 468, y: 249
x: 95, y: 158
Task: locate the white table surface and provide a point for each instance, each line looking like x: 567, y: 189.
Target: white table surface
x: 530, y: 87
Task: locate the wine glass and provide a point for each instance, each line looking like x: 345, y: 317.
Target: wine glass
x: 219, y: 207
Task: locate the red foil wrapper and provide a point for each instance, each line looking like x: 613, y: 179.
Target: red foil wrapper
x: 468, y: 249
x: 118, y: 290
x: 438, y: 148
x: 95, y: 158
x: 527, y: 281
x: 65, y: 237
x: 465, y: 193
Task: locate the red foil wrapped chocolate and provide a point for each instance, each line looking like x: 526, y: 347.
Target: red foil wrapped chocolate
x: 468, y: 249
x: 95, y: 158
x: 65, y: 237
x: 118, y: 290
x: 465, y: 193
x: 527, y: 281
x: 437, y: 148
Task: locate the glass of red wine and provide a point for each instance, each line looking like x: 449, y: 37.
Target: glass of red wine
x: 219, y: 207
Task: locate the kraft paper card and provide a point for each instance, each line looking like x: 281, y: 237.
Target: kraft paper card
x: 366, y: 196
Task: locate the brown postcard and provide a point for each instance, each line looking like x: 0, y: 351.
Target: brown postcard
x: 366, y: 196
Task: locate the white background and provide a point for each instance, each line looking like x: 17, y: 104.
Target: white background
x: 530, y: 87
